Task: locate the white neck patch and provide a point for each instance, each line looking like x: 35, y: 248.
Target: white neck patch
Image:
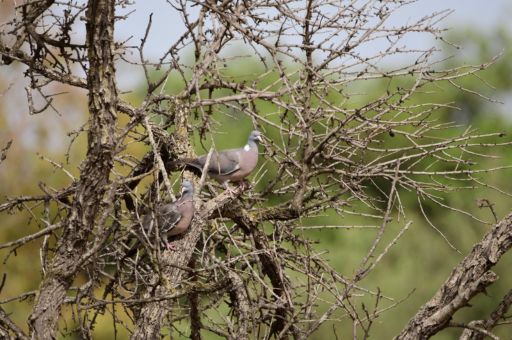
x: 247, y: 147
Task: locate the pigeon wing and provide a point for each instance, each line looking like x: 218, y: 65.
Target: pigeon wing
x: 168, y: 217
x: 223, y: 163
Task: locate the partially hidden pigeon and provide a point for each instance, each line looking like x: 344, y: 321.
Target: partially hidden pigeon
x: 171, y: 218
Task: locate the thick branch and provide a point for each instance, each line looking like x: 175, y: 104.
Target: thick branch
x: 469, y: 278
x: 90, y: 199
x: 269, y: 264
x: 8, y: 327
x: 498, y: 314
x: 242, y: 304
x: 150, y: 318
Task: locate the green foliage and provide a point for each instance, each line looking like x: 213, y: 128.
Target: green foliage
x: 412, y: 270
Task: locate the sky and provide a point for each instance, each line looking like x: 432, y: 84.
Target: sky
x: 167, y: 26
x: 485, y: 15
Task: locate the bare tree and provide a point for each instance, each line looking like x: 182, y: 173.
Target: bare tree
x: 246, y: 261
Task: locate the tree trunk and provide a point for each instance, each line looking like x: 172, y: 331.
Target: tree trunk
x: 94, y: 177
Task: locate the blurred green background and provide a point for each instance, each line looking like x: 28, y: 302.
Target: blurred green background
x: 416, y: 266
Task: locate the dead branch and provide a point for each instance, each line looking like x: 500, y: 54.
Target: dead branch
x: 471, y: 277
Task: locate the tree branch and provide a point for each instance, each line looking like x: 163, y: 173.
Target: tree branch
x: 470, y: 277
x: 94, y: 178
x: 498, y: 314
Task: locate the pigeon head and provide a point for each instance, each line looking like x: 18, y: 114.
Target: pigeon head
x: 255, y: 136
x: 187, y: 188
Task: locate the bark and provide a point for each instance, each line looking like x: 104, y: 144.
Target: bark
x: 150, y: 318
x: 94, y: 181
x: 239, y: 295
x: 195, y: 312
x: 497, y: 315
x: 469, y: 278
x: 8, y: 329
x: 269, y: 264
x: 320, y: 154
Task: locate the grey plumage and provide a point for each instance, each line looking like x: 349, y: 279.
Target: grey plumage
x: 172, y: 218
x: 231, y: 164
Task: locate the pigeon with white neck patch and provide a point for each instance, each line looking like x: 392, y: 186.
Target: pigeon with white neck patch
x: 232, y: 164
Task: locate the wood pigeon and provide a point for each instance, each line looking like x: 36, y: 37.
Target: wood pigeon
x: 230, y: 165
x: 172, y: 218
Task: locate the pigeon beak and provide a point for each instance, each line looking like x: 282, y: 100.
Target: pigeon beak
x: 259, y: 138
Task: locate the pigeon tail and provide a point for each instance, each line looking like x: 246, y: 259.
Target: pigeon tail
x: 186, y: 163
